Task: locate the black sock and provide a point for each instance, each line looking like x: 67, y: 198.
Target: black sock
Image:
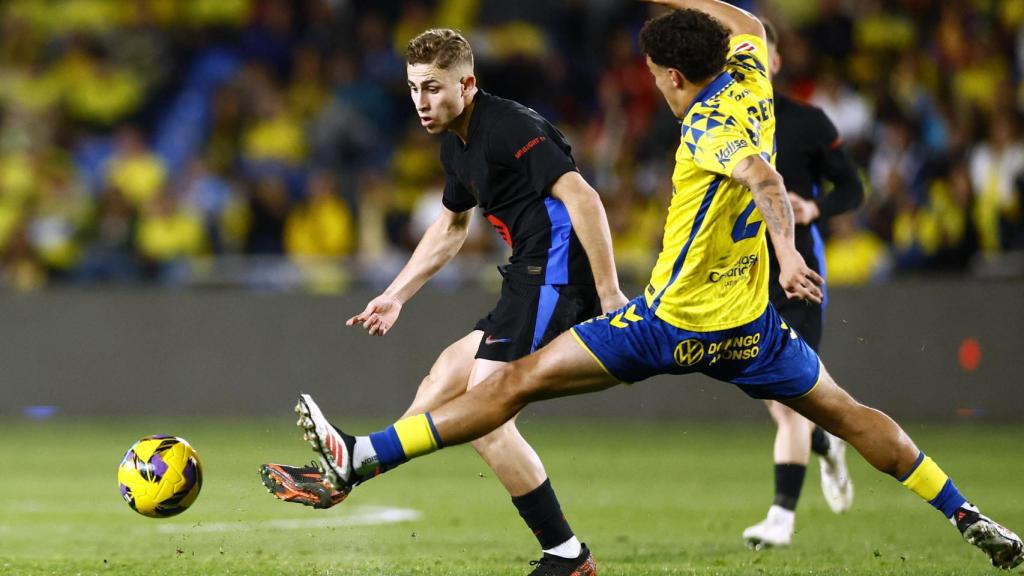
x: 543, y: 514
x: 789, y: 480
x: 819, y: 441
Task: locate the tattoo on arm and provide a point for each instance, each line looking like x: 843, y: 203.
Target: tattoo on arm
x: 769, y: 195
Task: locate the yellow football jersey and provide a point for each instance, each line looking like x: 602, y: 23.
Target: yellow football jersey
x: 712, y: 273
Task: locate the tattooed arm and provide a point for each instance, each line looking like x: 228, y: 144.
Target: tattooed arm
x: 766, y: 185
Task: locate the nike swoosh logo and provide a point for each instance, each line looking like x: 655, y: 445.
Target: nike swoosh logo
x: 492, y: 340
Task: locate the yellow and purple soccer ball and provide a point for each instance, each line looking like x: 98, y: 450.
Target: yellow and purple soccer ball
x: 160, y: 476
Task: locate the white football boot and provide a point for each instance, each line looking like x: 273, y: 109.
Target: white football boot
x: 836, y: 484
x: 327, y: 441
x: 774, y: 531
x: 1003, y: 547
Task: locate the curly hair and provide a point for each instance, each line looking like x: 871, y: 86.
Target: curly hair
x: 443, y: 47
x: 690, y: 41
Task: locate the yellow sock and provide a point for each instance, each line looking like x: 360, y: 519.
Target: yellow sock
x: 417, y: 435
x: 928, y: 481
x: 408, y: 438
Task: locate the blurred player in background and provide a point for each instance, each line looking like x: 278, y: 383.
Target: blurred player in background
x: 809, y: 153
x: 709, y: 60
x: 505, y: 158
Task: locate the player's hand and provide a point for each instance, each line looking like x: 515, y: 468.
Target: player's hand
x: 613, y: 301
x: 379, y: 316
x: 798, y: 280
x: 804, y: 211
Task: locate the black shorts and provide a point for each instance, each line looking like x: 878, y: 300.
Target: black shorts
x: 804, y: 317
x: 529, y: 316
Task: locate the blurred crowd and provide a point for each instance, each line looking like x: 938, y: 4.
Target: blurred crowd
x: 272, y: 143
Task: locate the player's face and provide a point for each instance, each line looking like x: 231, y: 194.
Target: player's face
x: 669, y: 83
x: 438, y: 94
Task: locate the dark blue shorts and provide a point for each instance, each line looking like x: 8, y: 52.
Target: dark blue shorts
x: 766, y: 358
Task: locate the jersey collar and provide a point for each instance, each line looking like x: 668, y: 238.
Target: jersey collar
x: 479, y: 102
x: 710, y: 91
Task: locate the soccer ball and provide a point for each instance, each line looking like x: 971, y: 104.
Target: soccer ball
x: 160, y: 476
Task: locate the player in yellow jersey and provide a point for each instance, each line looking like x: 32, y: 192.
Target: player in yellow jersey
x: 706, y: 308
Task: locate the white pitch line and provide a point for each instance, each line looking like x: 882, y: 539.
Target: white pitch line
x: 358, y: 516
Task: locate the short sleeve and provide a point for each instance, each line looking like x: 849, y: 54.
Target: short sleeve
x: 721, y: 147
x: 748, y: 62
x: 532, y: 147
x: 456, y: 197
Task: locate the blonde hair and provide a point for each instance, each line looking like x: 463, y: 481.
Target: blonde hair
x: 442, y: 47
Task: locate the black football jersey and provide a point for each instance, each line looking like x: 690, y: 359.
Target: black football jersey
x: 809, y: 153
x: 511, y: 158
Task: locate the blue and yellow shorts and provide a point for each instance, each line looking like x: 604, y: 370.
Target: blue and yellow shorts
x: 765, y: 358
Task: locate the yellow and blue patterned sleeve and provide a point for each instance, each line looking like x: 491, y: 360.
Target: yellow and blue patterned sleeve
x: 748, y: 63
x: 718, y: 142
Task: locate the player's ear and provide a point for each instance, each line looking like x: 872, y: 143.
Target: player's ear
x: 678, y: 80
x: 468, y: 82
x: 775, y: 63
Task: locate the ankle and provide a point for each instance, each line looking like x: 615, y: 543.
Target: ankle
x: 571, y: 548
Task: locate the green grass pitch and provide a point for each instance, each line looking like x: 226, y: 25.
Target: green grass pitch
x: 649, y: 498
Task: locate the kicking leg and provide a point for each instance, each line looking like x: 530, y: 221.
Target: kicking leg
x: 876, y: 436
x: 562, y: 368
x: 448, y: 378
x: 889, y: 449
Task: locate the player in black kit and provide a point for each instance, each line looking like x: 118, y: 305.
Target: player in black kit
x: 518, y: 168
x: 808, y: 154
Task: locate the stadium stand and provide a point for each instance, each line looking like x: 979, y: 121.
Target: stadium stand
x: 271, y: 144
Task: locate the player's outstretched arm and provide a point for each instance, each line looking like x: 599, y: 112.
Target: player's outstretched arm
x: 439, y: 245
x: 737, y: 20
x: 591, y: 224
x: 769, y: 191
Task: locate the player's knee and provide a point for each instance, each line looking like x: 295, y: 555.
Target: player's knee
x: 433, y: 391
x: 428, y: 385
x: 786, y: 417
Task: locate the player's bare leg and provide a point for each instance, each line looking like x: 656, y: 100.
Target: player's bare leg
x: 791, y: 452
x: 448, y: 377
x: 792, y: 434
x: 513, y: 461
x: 889, y: 449
x: 874, y: 434
x: 505, y: 450
x: 562, y: 368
